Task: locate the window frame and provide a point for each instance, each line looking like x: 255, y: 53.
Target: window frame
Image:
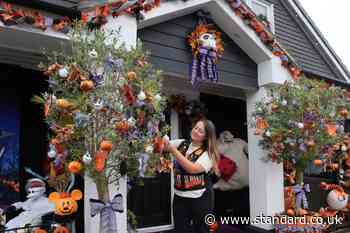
x: 270, y: 11
x: 174, y: 133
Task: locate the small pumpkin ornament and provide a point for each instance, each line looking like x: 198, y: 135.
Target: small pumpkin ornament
x: 131, y: 76
x: 318, y: 162
x: 87, y: 85
x: 61, y: 229
x: 106, y: 145
x: 74, y: 167
x: 66, y: 203
x: 158, y: 144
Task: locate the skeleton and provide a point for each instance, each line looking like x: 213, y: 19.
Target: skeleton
x: 34, y: 207
x: 208, y: 41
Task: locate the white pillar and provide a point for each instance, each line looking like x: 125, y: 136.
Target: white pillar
x: 128, y: 35
x: 265, y: 178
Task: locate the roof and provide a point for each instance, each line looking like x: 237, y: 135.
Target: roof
x: 318, y: 57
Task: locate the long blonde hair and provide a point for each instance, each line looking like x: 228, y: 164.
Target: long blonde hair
x: 210, y: 143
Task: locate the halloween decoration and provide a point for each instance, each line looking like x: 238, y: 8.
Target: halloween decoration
x: 66, y: 203
x: 207, y: 48
x: 310, y: 138
x: 34, y: 207
x: 106, y: 211
x: 99, y: 128
x: 233, y: 164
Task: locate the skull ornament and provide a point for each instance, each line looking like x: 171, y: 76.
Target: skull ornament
x: 208, y: 41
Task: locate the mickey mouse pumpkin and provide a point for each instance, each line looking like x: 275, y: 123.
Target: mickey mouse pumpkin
x: 66, y: 203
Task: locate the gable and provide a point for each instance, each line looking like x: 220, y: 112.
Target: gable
x: 293, y: 35
x: 170, y: 52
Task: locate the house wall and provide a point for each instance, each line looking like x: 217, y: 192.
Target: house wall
x: 171, y: 53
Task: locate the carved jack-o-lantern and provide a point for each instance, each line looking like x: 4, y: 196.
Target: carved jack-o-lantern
x: 337, y: 200
x: 208, y: 41
x: 65, y: 203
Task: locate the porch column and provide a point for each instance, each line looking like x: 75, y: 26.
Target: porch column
x: 265, y: 178
x: 128, y: 35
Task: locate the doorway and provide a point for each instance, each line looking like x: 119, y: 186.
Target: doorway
x: 229, y: 114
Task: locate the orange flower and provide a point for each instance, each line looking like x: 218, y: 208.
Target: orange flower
x: 331, y: 129
x: 123, y: 126
x: 295, y: 72
x: 129, y: 95
x: 84, y: 17
x: 52, y: 69
x: 256, y: 25
x: 100, y: 160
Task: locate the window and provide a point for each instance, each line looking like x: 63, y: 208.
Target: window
x: 263, y: 10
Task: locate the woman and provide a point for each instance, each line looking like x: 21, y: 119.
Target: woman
x: 193, y: 162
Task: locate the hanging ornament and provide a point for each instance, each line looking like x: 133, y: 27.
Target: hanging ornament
x: 74, y: 167
x: 207, y: 48
x: 158, y: 97
x: 106, y: 145
x: 131, y: 76
x: 141, y: 96
x: 100, y: 160
x: 63, y: 72
x: 87, y: 158
x: 93, y: 54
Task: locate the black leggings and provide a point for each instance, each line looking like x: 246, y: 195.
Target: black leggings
x: 195, y: 209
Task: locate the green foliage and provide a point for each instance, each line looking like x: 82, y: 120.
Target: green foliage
x: 301, y: 120
x: 103, y: 91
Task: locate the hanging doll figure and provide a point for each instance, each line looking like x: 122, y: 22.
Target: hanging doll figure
x: 206, y: 48
x: 36, y: 205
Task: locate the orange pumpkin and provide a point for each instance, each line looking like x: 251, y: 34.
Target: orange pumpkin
x: 87, y: 85
x: 61, y: 229
x: 106, y: 145
x: 318, y: 162
x: 131, y: 75
x: 100, y: 160
x: 66, y: 203
x: 74, y: 167
x: 63, y: 103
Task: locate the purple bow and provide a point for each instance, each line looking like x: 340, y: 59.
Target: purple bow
x: 300, y: 193
x: 106, y: 210
x: 203, y: 67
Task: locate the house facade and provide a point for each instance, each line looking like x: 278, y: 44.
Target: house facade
x: 246, y: 70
